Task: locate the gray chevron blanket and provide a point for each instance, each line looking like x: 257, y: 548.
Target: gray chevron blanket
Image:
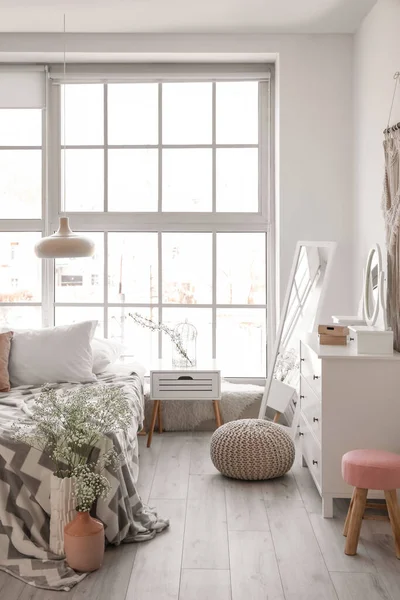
x: 25, y: 493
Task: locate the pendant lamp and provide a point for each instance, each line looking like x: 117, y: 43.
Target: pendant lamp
x: 64, y: 243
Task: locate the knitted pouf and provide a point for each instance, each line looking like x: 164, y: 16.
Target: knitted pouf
x: 252, y: 449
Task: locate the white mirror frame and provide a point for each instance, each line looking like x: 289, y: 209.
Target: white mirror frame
x: 266, y: 401
x: 379, y: 304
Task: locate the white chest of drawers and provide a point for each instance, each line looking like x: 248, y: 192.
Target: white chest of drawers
x: 348, y: 401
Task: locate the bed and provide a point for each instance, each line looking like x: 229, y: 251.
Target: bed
x: 25, y: 484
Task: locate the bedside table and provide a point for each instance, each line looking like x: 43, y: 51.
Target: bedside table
x: 183, y: 384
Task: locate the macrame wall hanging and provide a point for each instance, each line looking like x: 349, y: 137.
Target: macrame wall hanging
x: 391, y: 212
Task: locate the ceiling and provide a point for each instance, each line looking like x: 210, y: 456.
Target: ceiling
x: 184, y: 16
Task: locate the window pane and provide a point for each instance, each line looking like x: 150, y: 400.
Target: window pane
x: 84, y: 107
x: 20, y: 269
x: 67, y: 315
x: 187, y: 180
x: 139, y: 341
x: 237, y: 112
x: 85, y: 180
x: 21, y: 317
x: 241, y: 268
x: 201, y: 318
x: 187, y: 268
x: 133, y: 267
x: 133, y: 180
x: 20, y: 184
x: 237, y: 180
x: 133, y: 113
x: 20, y: 127
x: 187, y: 113
x: 241, y: 342
x: 81, y: 279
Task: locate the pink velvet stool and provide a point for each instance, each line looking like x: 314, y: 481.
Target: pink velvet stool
x: 371, y: 470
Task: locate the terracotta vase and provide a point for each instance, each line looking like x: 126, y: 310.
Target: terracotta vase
x: 84, y: 543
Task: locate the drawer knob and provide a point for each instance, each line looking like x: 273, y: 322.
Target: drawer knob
x: 185, y: 377
x: 314, y: 462
x: 315, y: 419
x: 301, y: 433
x: 302, y: 397
x: 351, y: 339
x: 315, y: 377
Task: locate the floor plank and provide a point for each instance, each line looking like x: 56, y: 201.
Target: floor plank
x: 282, y: 491
x: 254, y: 568
x: 148, y: 459
x: 172, y: 471
x: 305, y: 483
x: 377, y: 539
x: 12, y: 588
x: 359, y: 586
x: 301, y: 565
x: 245, y: 506
x: 200, y: 584
x: 206, y: 539
x: 157, y: 568
x: 113, y: 578
x: 331, y: 542
x: 200, y: 461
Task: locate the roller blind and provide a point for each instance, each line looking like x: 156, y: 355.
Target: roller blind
x: 122, y: 73
x: 22, y: 86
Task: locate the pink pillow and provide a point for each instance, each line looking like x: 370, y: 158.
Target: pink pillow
x: 5, y: 347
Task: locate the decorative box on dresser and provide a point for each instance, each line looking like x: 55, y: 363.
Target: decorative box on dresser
x: 348, y: 401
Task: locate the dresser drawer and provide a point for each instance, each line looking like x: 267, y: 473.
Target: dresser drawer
x: 311, y: 450
x: 185, y: 385
x: 310, y: 368
x: 310, y: 407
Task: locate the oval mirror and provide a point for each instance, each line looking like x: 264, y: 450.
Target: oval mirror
x: 372, y: 285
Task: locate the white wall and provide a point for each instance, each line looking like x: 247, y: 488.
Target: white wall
x: 376, y: 59
x: 314, y: 77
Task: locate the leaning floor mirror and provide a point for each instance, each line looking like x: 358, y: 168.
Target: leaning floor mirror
x: 308, y: 282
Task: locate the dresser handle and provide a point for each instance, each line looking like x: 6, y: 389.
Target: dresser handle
x: 315, y: 419
x: 314, y: 462
x: 300, y: 433
x: 302, y: 397
x: 351, y: 339
x: 315, y: 377
x: 294, y: 402
x: 185, y: 377
x: 302, y: 360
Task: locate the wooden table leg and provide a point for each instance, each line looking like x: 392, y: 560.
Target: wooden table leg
x: 276, y: 417
x: 217, y: 413
x: 159, y: 412
x: 153, y: 422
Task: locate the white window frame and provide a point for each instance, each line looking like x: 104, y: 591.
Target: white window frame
x: 261, y: 221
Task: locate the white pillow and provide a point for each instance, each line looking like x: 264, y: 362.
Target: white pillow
x: 52, y: 355
x: 105, y: 353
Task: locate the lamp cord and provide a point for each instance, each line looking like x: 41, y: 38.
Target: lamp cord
x: 65, y: 121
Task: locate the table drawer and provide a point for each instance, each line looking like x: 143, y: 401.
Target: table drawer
x: 310, y: 368
x: 311, y: 451
x: 310, y: 407
x: 186, y: 385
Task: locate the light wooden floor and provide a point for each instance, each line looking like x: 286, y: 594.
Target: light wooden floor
x: 233, y: 540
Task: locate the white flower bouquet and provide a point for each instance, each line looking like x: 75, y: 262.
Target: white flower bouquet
x: 67, y: 425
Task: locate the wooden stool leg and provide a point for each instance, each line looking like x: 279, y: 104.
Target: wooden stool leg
x: 160, y: 427
x: 394, y: 516
x: 217, y: 413
x: 153, y: 422
x: 347, y: 522
x: 354, y: 527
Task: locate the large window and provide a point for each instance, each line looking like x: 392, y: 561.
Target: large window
x: 171, y: 181
x: 20, y: 200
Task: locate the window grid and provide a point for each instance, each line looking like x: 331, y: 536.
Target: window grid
x: 160, y: 146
